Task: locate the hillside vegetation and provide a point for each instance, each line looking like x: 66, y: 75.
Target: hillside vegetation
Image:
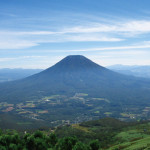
x: 103, y: 134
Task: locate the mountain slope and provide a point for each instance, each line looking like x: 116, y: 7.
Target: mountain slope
x: 77, y: 74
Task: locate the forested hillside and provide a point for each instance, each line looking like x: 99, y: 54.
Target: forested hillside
x: 104, y: 134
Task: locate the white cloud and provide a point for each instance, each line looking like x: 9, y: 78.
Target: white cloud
x: 100, y: 38
x: 142, y: 45
x: 29, y: 62
x: 126, y: 57
x: 137, y: 26
x: 16, y: 44
x: 101, y: 32
x: 20, y: 58
x: 21, y: 40
x: 28, y: 33
x: 6, y: 59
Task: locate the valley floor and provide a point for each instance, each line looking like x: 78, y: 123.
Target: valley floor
x: 58, y: 110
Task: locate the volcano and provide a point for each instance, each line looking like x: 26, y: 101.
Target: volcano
x: 77, y: 74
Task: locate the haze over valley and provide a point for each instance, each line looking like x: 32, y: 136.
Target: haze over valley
x: 75, y: 90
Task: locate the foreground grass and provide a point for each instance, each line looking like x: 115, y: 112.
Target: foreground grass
x: 140, y: 144
x: 133, y: 138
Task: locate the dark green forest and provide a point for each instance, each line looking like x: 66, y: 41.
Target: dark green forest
x: 107, y: 133
x: 12, y: 140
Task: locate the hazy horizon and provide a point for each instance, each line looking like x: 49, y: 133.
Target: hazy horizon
x: 66, y: 56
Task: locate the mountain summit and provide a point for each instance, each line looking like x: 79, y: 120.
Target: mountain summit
x: 76, y: 62
x: 76, y: 74
x: 73, y: 63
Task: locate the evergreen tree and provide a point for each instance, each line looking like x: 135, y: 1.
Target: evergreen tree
x: 52, y: 140
x: 13, y: 147
x: 81, y: 146
x: 66, y: 143
x: 94, y: 145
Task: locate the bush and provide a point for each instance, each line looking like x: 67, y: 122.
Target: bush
x: 81, y: 146
x: 94, y: 145
x: 66, y: 143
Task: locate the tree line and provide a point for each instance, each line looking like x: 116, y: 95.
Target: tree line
x: 13, y: 140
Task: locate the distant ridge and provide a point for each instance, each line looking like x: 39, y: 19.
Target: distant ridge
x: 138, y: 71
x: 77, y: 74
x: 9, y: 74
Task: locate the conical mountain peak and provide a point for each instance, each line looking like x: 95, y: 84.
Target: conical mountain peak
x: 75, y: 63
x: 74, y: 74
x: 75, y: 58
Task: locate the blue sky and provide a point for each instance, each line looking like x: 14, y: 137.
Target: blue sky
x: 38, y: 33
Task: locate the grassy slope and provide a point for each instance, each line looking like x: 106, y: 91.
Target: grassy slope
x: 133, y: 138
x: 112, y: 134
x: 140, y: 144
